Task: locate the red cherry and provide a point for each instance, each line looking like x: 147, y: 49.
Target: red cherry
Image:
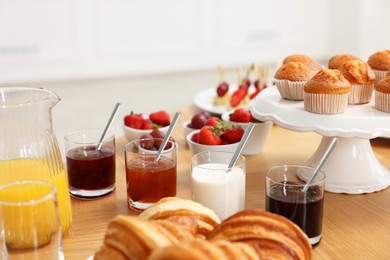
x: 222, y: 89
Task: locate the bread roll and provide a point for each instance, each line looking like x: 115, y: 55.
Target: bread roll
x: 274, y: 235
x: 172, y: 208
x: 134, y: 238
x: 202, y: 249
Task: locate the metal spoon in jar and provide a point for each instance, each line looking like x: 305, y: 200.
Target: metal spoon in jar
x: 320, y: 163
x: 109, y: 123
x: 240, y: 146
x: 166, y: 137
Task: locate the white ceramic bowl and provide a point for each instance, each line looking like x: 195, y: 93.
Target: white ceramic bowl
x: 258, y: 137
x: 197, y: 148
x: 134, y: 134
x: 186, y: 129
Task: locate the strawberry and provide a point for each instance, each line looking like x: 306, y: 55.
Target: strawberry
x: 160, y: 118
x: 148, y: 125
x: 254, y: 94
x: 233, y: 135
x: 209, y: 136
x: 238, y: 96
x: 242, y: 115
x: 195, y: 137
x: 134, y: 120
x: 217, y: 123
x: 212, y: 121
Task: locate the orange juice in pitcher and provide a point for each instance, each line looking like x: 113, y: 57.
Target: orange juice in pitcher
x: 28, y: 145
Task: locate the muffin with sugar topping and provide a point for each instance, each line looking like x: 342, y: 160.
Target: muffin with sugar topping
x: 362, y: 79
x: 290, y: 79
x: 326, y: 93
x: 336, y: 61
x: 305, y: 59
x: 380, y: 63
x: 382, y: 94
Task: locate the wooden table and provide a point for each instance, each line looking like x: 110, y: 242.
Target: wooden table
x: 354, y: 226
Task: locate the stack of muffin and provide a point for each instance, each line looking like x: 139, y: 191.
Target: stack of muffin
x: 347, y: 80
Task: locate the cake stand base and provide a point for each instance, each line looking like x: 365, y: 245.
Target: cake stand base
x: 351, y: 167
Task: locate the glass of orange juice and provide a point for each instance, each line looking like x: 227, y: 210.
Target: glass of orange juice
x: 29, y: 214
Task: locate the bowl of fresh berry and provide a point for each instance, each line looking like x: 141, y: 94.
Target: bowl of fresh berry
x: 242, y: 117
x: 137, y: 125
x: 215, y: 135
x: 196, y: 122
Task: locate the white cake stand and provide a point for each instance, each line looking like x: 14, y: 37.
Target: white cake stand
x: 352, y: 166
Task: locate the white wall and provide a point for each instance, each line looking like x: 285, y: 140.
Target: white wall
x: 70, y: 39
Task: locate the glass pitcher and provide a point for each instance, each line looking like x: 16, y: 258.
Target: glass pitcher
x: 28, y: 145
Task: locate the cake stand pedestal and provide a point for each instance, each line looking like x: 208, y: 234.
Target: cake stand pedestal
x: 352, y: 166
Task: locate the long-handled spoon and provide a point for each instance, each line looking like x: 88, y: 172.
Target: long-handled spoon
x: 109, y: 123
x: 240, y: 146
x: 320, y: 163
x: 166, y: 137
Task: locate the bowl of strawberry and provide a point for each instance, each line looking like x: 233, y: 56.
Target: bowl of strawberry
x: 242, y: 117
x: 136, y: 125
x: 196, y: 122
x: 215, y: 135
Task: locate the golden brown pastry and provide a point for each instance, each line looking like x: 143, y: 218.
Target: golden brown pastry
x: 290, y: 79
x: 274, y: 235
x: 328, y: 82
x: 326, y: 93
x: 380, y: 60
x: 362, y: 79
x: 202, y: 249
x: 129, y: 237
x: 294, y: 71
x: 382, y: 95
x: 172, y: 208
x: 336, y: 61
x: 358, y: 72
x: 380, y: 63
x: 307, y: 60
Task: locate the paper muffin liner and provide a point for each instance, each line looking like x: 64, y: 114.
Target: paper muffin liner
x: 379, y: 74
x: 382, y: 101
x: 292, y: 90
x: 325, y: 103
x: 360, y: 94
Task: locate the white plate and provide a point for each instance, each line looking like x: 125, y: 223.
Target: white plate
x: 362, y: 121
x: 205, y: 100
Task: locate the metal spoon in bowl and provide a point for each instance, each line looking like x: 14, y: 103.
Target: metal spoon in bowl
x: 240, y: 146
x: 109, y: 123
x: 167, y: 135
x: 320, y: 163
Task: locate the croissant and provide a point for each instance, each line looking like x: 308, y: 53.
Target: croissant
x: 275, y: 236
x: 130, y: 237
x: 172, y: 208
x: 203, y: 249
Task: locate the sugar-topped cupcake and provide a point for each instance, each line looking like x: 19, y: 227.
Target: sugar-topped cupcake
x: 362, y: 79
x: 290, y: 79
x: 307, y: 60
x: 380, y: 63
x: 336, y: 61
x: 326, y: 93
x: 382, y: 94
